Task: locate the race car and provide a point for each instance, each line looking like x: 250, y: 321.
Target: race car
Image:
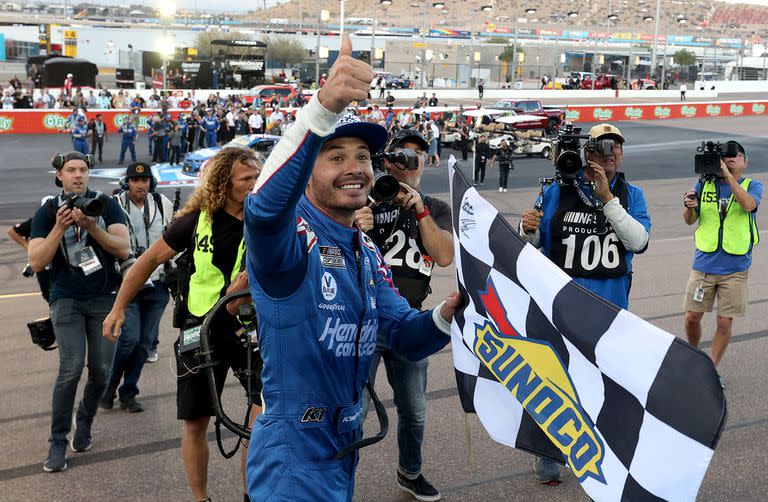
x: 262, y: 143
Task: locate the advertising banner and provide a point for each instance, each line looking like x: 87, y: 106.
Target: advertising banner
x: 663, y: 111
x: 54, y: 121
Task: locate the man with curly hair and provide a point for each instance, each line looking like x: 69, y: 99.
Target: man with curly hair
x: 209, y: 229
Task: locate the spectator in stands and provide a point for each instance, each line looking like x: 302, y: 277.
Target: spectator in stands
x: 103, y: 102
x: 256, y: 122
x: 433, y: 100
x: 7, y: 100
x: 119, y: 100
x: 480, y: 88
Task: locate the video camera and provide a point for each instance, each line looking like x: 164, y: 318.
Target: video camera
x: 707, y: 161
x: 385, y: 186
x: 566, y: 148
x: 89, y: 206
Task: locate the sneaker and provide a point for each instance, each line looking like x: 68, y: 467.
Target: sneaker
x: 57, y: 457
x: 131, y: 405
x: 482, y: 182
x: 107, y: 401
x: 420, y: 488
x: 501, y: 189
x: 81, y: 439
x: 547, y: 472
x: 505, y: 189
x: 152, y: 357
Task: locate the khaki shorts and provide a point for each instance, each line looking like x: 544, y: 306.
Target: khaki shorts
x: 730, y: 290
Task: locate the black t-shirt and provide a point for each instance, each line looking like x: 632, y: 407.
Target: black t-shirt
x: 68, y: 281
x: 504, y: 156
x: 227, y: 232
x: 24, y: 228
x: 395, y: 232
x: 482, y: 152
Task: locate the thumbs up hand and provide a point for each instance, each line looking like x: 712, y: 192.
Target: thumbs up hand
x: 348, y: 80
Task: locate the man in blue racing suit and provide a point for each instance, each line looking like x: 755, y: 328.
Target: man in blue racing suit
x: 322, y: 291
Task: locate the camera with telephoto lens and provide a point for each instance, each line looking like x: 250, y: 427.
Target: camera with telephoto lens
x: 566, y: 151
x: 707, y: 161
x: 385, y: 186
x: 89, y: 206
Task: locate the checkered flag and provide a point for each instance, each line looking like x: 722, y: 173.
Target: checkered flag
x: 553, y: 369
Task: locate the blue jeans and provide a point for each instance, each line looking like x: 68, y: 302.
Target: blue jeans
x: 80, y: 145
x: 127, y: 145
x: 140, y: 329
x: 78, y: 324
x: 409, y: 383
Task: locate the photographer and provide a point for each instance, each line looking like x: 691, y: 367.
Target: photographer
x: 482, y: 154
x: 413, y: 232
x: 506, y: 162
x: 725, y: 207
x: 209, y: 230
x: 591, y: 225
x: 147, y: 214
x: 82, y: 252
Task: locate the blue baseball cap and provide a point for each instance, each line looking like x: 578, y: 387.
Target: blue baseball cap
x: 350, y: 126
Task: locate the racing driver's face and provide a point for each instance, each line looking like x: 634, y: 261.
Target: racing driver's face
x: 341, y: 179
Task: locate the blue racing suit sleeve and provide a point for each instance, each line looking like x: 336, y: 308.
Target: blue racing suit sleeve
x: 270, y: 211
x: 407, y: 331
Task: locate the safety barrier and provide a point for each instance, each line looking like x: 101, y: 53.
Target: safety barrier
x: 54, y: 121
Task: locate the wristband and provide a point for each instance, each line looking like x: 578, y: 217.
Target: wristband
x: 422, y: 214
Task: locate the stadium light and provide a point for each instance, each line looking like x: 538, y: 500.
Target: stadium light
x: 167, y: 8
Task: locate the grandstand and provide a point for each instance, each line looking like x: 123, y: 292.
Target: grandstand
x: 704, y: 16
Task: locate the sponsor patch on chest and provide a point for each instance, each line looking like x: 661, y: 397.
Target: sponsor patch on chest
x: 332, y: 257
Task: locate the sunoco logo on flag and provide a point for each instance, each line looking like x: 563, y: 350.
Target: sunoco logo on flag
x: 553, y: 369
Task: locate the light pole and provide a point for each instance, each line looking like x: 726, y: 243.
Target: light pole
x: 655, y: 37
x: 341, y: 17
x: 609, y: 18
x: 167, y: 11
x: 322, y: 16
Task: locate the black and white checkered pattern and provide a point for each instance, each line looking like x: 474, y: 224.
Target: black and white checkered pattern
x: 654, y: 401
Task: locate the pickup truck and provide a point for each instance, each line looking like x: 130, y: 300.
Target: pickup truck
x: 533, y: 107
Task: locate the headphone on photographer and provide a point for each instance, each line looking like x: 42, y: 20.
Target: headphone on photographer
x: 60, y: 159
x: 138, y: 170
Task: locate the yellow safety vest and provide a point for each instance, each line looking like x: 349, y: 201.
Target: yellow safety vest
x: 207, y: 282
x: 739, y: 230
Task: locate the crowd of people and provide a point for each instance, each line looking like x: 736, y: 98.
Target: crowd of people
x: 324, y: 266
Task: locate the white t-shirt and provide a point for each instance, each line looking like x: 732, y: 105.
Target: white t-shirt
x: 683, y: 87
x: 230, y: 119
x: 276, y: 116
x: 255, y: 121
